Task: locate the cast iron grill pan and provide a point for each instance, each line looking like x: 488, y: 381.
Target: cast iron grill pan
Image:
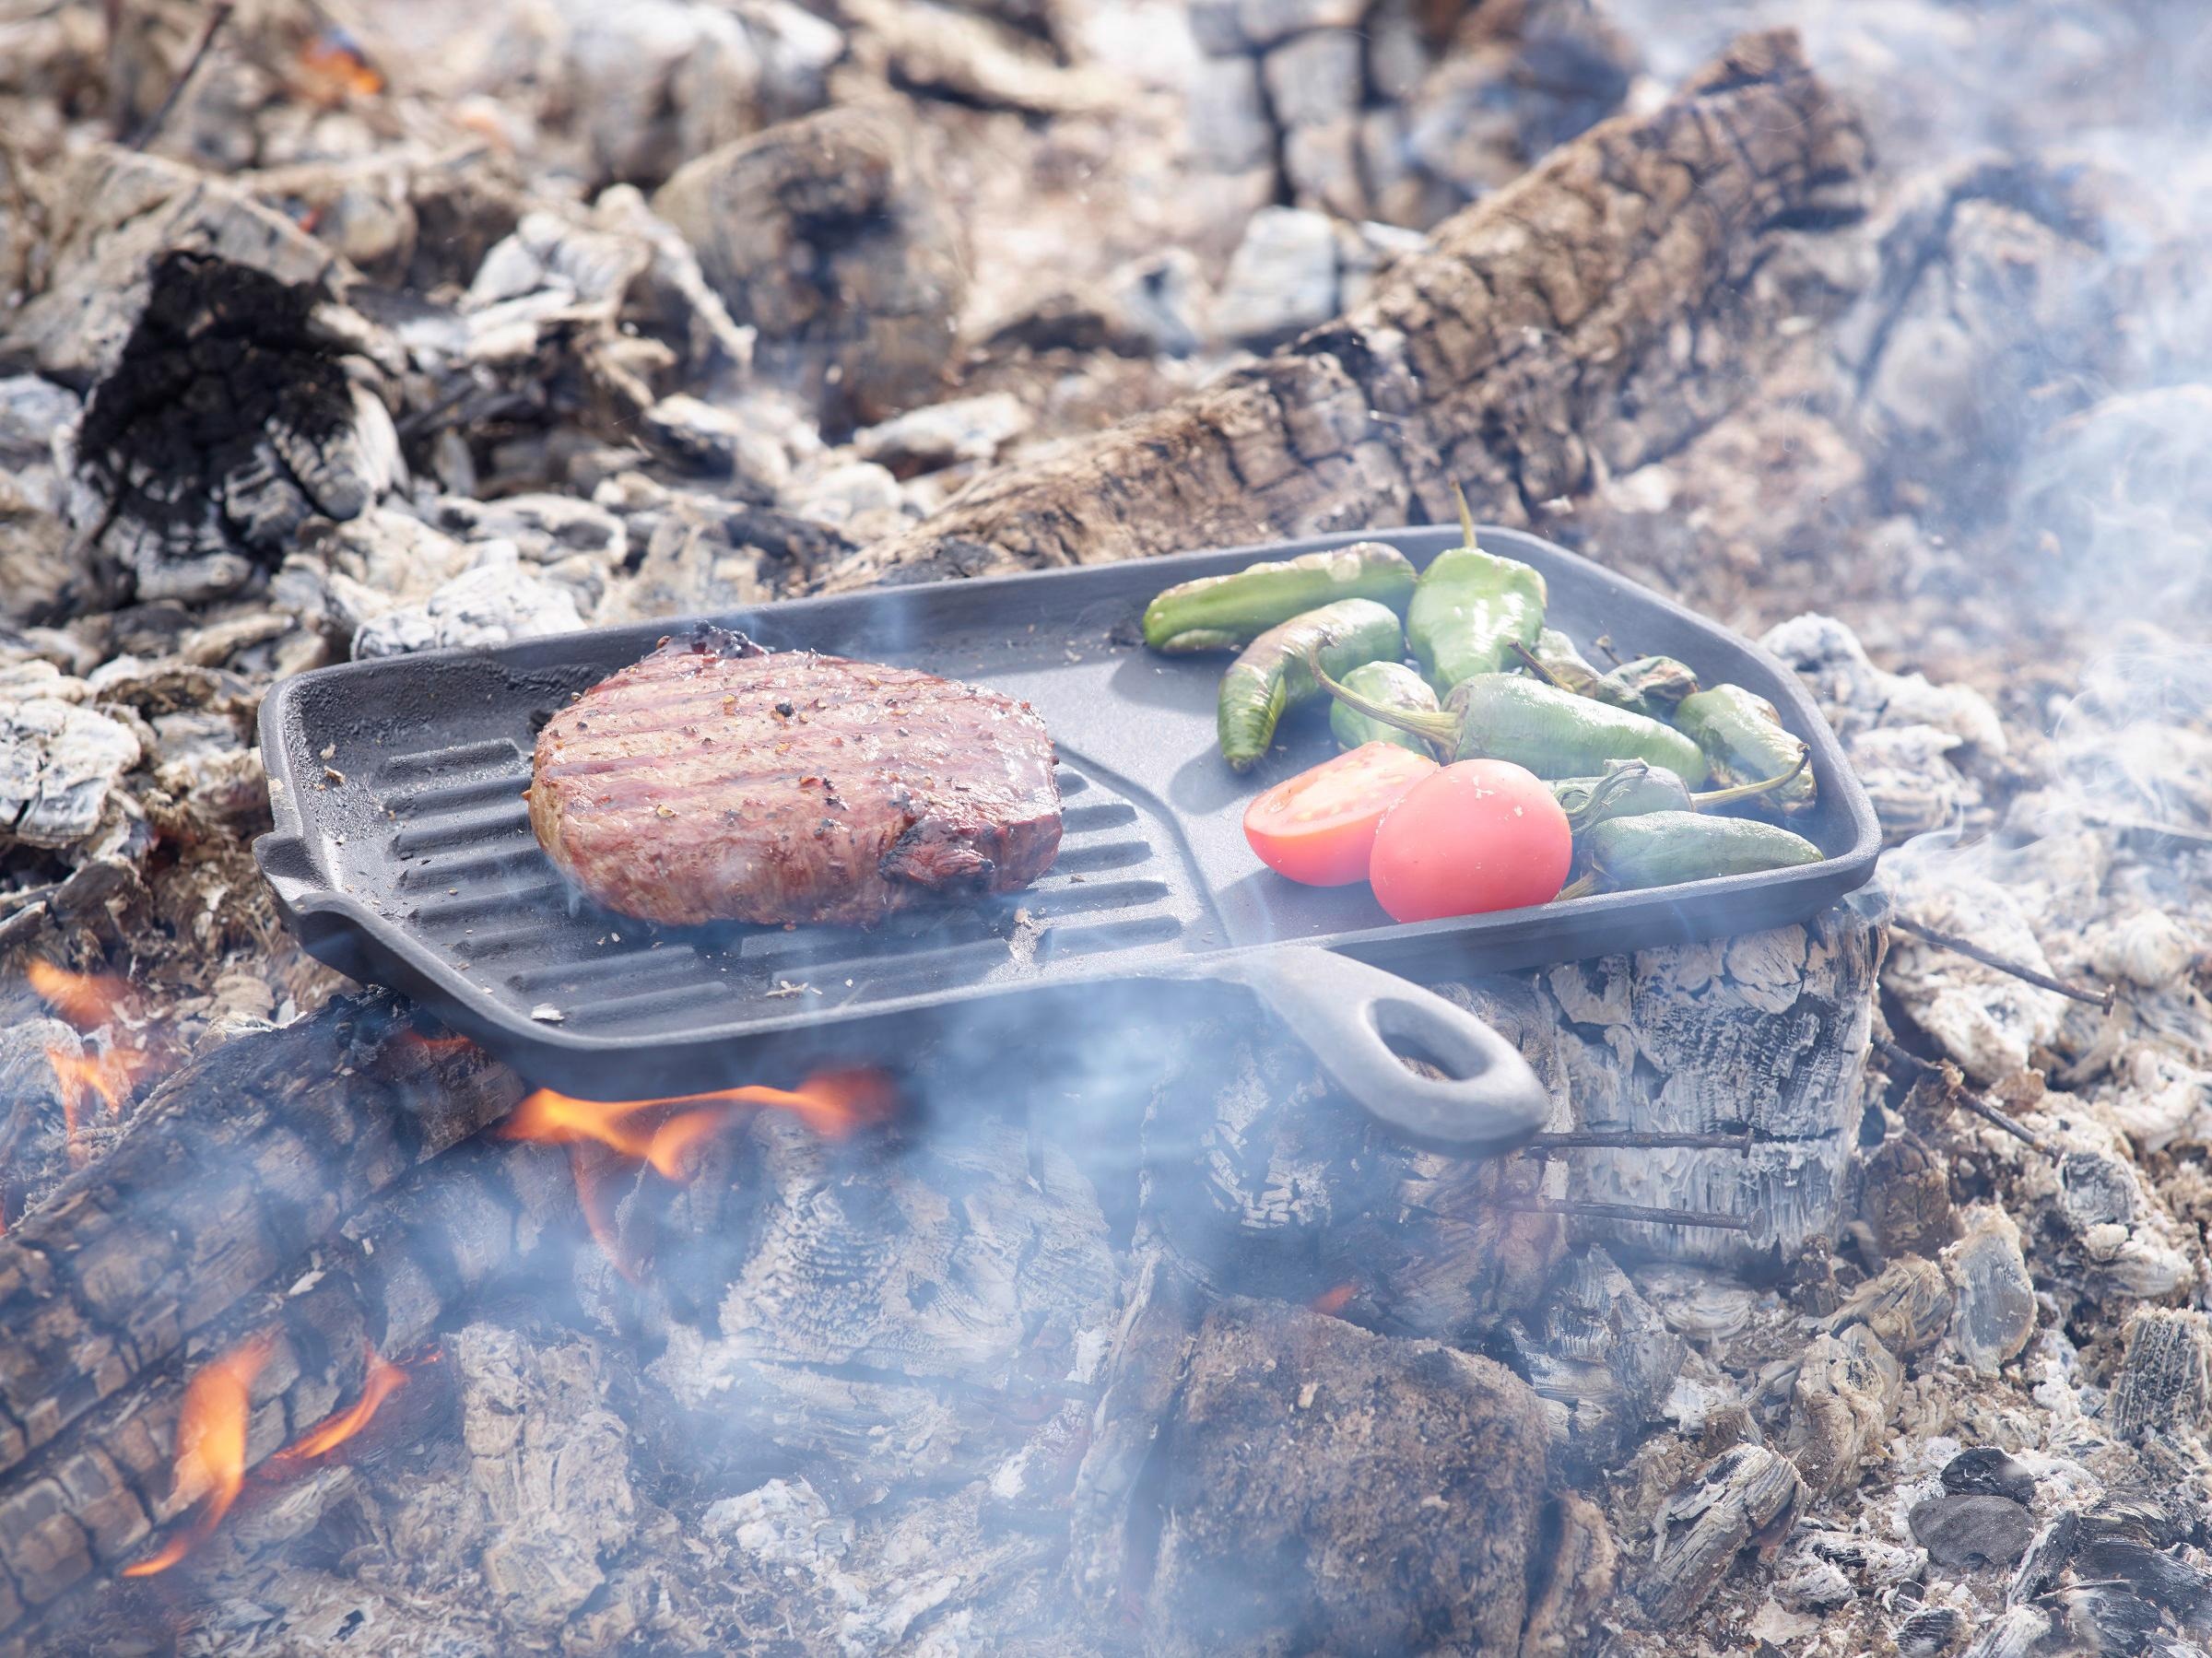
x: 402, y: 854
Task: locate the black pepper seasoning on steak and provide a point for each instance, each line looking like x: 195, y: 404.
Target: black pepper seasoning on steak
x: 697, y: 786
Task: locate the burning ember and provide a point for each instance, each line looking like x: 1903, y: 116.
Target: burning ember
x: 115, y: 1076
x: 335, y: 68
x: 211, y: 1447
x: 89, y: 1003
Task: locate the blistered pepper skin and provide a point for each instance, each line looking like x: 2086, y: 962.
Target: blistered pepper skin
x: 1275, y: 672
x: 1650, y: 685
x: 1744, y: 739
x: 1217, y: 612
x: 1661, y: 849
x: 1555, y: 734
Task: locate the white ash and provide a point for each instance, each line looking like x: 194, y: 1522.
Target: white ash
x: 1989, y: 1021
x: 1281, y: 280
x: 673, y: 300
x: 721, y: 443
x: 34, y: 414
x: 783, y: 1522
x: 943, y: 434
x: 851, y: 493
x: 59, y: 765
x: 495, y: 601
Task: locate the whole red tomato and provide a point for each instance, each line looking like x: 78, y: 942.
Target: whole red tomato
x: 1478, y: 836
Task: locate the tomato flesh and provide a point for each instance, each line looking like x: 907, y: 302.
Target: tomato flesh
x: 1478, y: 836
x: 1319, y: 827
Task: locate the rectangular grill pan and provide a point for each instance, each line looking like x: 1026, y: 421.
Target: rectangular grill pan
x: 402, y: 853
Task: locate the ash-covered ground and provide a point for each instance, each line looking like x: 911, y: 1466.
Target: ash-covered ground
x: 330, y: 336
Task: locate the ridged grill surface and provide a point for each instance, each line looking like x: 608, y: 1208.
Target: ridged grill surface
x: 466, y: 875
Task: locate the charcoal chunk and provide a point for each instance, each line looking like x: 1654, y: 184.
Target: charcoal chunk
x: 2183, y: 1590
x: 1968, y: 1532
x: 1927, y: 1633
x: 227, y: 421
x: 1988, y: 1472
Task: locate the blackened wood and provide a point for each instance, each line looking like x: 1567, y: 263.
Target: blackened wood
x: 236, y: 1168
x: 100, y: 1496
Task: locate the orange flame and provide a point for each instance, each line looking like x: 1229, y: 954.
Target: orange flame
x: 86, y: 1000
x: 1335, y: 1300
x: 211, y: 1446
x: 382, y: 1381
x: 433, y: 1045
x: 115, y: 1076
x: 336, y: 68
x: 662, y: 1132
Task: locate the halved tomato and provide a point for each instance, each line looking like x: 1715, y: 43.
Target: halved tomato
x: 1319, y: 827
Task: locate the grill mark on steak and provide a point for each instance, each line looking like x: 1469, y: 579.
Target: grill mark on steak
x: 716, y: 782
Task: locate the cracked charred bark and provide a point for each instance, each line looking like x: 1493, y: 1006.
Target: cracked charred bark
x: 1587, y: 319
x: 101, y: 1495
x: 238, y: 1167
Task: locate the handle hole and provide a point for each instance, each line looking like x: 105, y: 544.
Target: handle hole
x: 1423, y: 1047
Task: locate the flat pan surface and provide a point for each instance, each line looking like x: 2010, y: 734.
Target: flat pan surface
x: 402, y: 854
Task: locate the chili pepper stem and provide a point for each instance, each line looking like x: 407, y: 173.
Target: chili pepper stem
x: 1582, y: 887
x: 1436, y: 728
x: 1538, y: 669
x: 1721, y: 797
x: 1467, y: 518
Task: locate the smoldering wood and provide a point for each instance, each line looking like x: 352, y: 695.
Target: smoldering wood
x: 1766, y: 1031
x: 1747, y: 1497
x: 100, y: 1494
x: 1598, y: 1356
x: 1368, y: 420
x: 197, y: 1206
x: 1245, y: 1429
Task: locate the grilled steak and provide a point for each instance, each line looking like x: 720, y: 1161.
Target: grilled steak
x: 715, y: 781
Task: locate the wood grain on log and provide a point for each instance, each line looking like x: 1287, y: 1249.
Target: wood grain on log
x: 1767, y: 1030
x: 1591, y: 316
x: 237, y: 1167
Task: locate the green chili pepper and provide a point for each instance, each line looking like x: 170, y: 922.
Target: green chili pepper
x: 1470, y: 609
x: 1393, y: 685
x: 1635, y: 788
x: 1275, y: 670
x: 1650, y: 685
x: 1551, y: 732
x: 1662, y: 848
x: 1744, y: 738
x: 1555, y: 660
x: 1223, y: 613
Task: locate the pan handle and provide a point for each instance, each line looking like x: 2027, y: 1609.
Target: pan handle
x: 1348, y: 1013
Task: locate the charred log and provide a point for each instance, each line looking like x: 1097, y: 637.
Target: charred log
x: 1638, y: 233
x: 101, y: 1495
x: 198, y: 1208
x: 227, y: 421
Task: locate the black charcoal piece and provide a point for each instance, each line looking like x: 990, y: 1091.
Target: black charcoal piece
x: 1927, y: 1633
x: 1970, y: 1532
x: 1989, y: 1472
